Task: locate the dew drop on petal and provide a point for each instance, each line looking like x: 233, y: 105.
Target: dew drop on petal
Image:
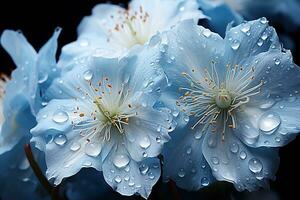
x: 181, y: 173
x: 234, y: 147
x: 75, y: 146
x: 277, y: 61
x: 269, y: 122
x: 60, y: 116
x: 215, y: 160
x: 92, y: 149
x: 145, y: 142
x: 189, y: 150
x: 87, y: 75
x: 158, y: 139
x: 260, y: 42
x: 235, y: 44
x: 121, y: 160
x: 186, y: 119
x: 267, y: 104
x: 151, y: 176
x: 126, y: 178
x: 204, y: 181
x: 264, y: 36
x: 145, y: 155
x: 144, y: 168
x: 255, y: 165
x: 243, y: 155
x: 43, y: 77
x: 245, y: 28
x: 60, y: 139
x: 263, y: 20
x: 118, y: 179
x: 131, y: 183
x: 158, y: 129
x: 277, y: 139
x: 206, y: 33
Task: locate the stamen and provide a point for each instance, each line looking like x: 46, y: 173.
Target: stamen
x: 214, y: 101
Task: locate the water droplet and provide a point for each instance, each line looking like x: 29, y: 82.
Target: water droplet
x: 43, y: 77
x: 277, y: 61
x: 277, y: 139
x: 186, y: 118
x: 243, y: 155
x: 181, y: 173
x: 118, y: 179
x: 158, y: 139
x: 60, y: 116
x: 88, y: 75
x: 264, y: 36
x: 182, y: 8
x: 245, y: 28
x: 75, y: 146
x: 260, y: 42
x: 189, y: 150
x: 263, y: 20
x: 204, y: 181
x: 60, y: 139
x: 269, y: 122
x: 207, y: 33
x: 131, y: 183
x: 144, y: 169
x: 127, y: 168
x: 255, y: 165
x: 145, y: 142
x: 92, y: 149
x: 235, y: 44
x: 145, y: 155
x: 126, y: 178
x: 151, y: 176
x: 198, y: 135
x: 215, y: 160
x: 267, y: 104
x: 175, y: 113
x: 234, y: 147
x: 172, y: 127
x: 121, y: 160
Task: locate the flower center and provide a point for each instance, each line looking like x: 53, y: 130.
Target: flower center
x: 134, y: 28
x: 116, y: 120
x: 214, y: 102
x: 223, y: 99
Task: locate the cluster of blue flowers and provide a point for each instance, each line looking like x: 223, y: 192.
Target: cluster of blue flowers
x: 147, y: 90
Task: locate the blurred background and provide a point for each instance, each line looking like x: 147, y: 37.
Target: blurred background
x: 38, y: 19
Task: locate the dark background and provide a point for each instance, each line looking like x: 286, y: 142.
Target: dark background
x: 38, y: 19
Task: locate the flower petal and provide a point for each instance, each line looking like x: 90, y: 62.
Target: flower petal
x: 129, y: 177
x: 231, y: 160
x: 184, y: 162
x: 147, y: 134
x: 67, y: 149
x: 274, y: 67
x: 190, y: 50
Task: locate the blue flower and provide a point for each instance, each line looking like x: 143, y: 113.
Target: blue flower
x: 220, y: 15
x: 112, y: 31
x: 239, y: 98
x: 19, y: 101
x: 102, y: 116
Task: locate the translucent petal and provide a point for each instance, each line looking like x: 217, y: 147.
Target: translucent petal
x: 231, y: 160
